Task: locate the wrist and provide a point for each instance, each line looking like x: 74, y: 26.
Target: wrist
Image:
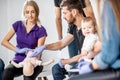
x: 16, y: 49
x: 91, y: 67
x: 60, y: 63
x: 60, y: 38
x: 44, y: 47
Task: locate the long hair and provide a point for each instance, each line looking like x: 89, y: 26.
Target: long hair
x: 116, y: 9
x: 34, y: 4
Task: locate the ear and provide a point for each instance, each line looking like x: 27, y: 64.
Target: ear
x: 74, y: 12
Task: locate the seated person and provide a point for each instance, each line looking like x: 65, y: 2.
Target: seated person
x: 106, y: 65
x: 90, y: 32
x: 29, y: 63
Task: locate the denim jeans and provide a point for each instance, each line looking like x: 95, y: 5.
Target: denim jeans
x: 58, y: 72
x: 73, y: 50
x: 1, y: 68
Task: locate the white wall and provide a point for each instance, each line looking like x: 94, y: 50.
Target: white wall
x: 11, y: 10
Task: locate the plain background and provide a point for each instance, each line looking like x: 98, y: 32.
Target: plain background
x: 11, y: 11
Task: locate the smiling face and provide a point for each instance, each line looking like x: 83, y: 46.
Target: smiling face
x: 68, y: 16
x: 87, y: 28
x: 31, y: 11
x: 30, y: 14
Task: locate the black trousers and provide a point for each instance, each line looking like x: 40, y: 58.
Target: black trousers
x: 10, y: 72
x: 108, y: 74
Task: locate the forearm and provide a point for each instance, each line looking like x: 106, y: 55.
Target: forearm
x: 96, y: 50
x: 5, y: 42
x: 73, y: 59
x: 59, y: 27
x: 90, y: 55
x: 54, y: 46
x: 8, y: 45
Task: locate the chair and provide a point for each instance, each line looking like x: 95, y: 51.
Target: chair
x: 108, y: 74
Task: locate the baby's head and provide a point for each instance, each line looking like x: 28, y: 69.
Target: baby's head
x: 88, y: 26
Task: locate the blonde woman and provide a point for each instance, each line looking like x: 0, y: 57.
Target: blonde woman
x: 30, y: 34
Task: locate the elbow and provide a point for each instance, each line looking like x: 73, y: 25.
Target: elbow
x: 58, y: 19
x: 3, y: 42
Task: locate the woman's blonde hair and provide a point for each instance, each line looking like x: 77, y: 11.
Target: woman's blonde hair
x: 34, y: 4
x: 116, y: 9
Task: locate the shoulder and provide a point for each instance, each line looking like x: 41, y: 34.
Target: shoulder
x: 18, y: 22
x: 40, y: 31
x: 41, y: 27
x: 71, y: 28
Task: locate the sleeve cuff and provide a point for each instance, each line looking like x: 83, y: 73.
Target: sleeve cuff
x: 99, y: 61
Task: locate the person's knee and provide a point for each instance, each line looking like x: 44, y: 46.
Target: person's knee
x: 55, y: 68
x: 1, y: 64
x: 7, y: 74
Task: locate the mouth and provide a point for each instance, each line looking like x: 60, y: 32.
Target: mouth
x: 87, y: 32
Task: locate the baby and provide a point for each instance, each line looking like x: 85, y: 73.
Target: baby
x: 29, y: 63
x: 89, y: 30
x: 91, y: 42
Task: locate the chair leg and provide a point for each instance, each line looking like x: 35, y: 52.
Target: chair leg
x: 45, y: 78
x: 39, y: 78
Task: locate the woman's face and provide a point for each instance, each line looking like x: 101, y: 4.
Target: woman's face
x: 30, y: 14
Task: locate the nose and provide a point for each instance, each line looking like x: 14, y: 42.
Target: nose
x: 86, y: 29
x: 29, y: 14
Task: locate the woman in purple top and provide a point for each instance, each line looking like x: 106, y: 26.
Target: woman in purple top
x: 29, y: 35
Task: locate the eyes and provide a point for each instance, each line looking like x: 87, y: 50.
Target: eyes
x: 30, y: 12
x: 89, y: 27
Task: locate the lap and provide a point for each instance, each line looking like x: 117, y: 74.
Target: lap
x: 108, y: 74
x: 15, y: 72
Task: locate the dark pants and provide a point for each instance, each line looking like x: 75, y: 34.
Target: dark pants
x: 72, y: 50
x: 10, y: 72
x: 1, y: 68
x: 108, y: 74
x: 58, y: 72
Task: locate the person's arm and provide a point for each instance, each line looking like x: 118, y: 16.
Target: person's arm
x: 60, y: 44
x: 96, y: 49
x: 58, y: 21
x: 88, y: 9
x: 73, y: 59
x: 41, y: 41
x: 5, y: 42
x: 17, y: 65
